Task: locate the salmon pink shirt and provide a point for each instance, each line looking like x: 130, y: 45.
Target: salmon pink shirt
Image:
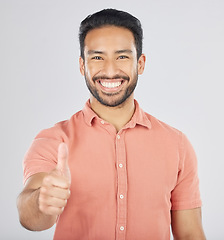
x: 124, y: 184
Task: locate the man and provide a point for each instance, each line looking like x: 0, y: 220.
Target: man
x: 112, y: 171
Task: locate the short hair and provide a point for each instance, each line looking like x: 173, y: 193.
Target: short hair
x: 111, y: 17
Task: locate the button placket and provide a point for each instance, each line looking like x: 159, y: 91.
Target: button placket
x: 122, y: 187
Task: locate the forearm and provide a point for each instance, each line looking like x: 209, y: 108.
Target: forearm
x: 191, y: 237
x: 187, y: 224
x: 29, y: 214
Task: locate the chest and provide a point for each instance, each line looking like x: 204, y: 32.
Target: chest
x: 143, y: 161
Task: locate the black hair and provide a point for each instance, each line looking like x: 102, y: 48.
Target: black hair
x: 115, y: 18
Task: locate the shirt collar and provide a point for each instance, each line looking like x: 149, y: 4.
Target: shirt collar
x: 139, y: 116
x: 88, y: 113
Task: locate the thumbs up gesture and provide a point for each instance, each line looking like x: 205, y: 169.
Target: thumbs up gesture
x: 55, y: 188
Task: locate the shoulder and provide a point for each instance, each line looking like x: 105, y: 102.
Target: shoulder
x: 159, y: 126
x: 173, y: 137
x: 61, y: 130
x: 170, y: 134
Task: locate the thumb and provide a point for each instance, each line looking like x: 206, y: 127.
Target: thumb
x: 62, y: 165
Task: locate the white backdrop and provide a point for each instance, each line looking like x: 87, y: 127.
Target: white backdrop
x: 182, y: 85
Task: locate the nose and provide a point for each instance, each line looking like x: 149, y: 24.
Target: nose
x: 110, y: 68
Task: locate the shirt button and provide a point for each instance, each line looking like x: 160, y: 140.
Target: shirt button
x: 102, y: 121
x: 122, y: 228
x: 120, y: 165
x: 121, y: 196
x: 118, y: 136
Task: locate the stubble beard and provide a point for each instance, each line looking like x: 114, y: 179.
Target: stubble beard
x: 113, y: 101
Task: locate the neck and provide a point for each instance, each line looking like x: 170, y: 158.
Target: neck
x: 117, y: 116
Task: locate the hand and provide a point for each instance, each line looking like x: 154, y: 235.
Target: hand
x: 55, y: 188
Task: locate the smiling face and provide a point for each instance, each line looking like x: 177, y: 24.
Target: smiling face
x: 110, y: 64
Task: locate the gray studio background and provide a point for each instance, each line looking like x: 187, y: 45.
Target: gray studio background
x: 182, y: 85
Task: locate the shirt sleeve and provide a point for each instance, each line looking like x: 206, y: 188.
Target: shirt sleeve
x: 42, y: 154
x: 186, y: 194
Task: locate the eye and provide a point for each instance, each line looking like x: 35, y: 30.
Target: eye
x: 97, y: 58
x: 122, y: 57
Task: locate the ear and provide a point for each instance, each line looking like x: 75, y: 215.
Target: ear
x: 141, y: 64
x: 81, y: 66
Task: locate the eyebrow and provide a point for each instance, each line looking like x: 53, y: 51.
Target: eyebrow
x: 124, y: 51
x: 117, y: 52
x: 94, y: 52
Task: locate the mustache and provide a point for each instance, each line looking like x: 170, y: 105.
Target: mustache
x: 117, y: 76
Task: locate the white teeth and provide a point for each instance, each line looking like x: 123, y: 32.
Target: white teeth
x: 110, y: 85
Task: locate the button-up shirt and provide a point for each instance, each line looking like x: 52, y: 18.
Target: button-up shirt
x: 124, y: 184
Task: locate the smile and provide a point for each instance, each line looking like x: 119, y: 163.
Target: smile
x: 110, y: 85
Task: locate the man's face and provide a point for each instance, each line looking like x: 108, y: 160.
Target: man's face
x: 110, y: 64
